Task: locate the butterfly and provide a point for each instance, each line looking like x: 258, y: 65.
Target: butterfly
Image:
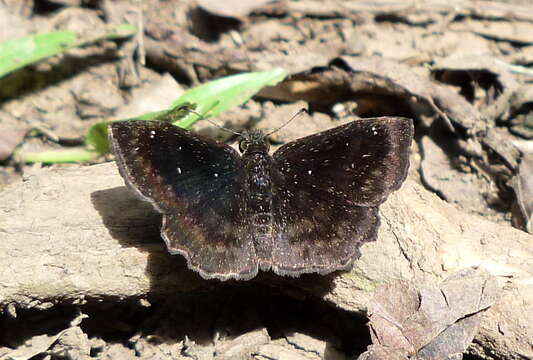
x: 307, y: 208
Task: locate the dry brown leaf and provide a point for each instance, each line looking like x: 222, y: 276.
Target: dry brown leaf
x: 523, y: 188
x: 520, y: 112
x: 475, y: 72
x: 431, y: 322
x: 420, y: 91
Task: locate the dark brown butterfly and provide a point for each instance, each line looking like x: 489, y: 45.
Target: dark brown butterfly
x: 308, y: 208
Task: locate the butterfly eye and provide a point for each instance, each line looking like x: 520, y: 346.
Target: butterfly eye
x: 243, y: 145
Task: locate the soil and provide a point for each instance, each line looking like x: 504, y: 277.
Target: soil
x: 462, y: 70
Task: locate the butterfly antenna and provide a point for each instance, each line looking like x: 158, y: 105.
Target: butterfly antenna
x: 300, y: 112
x: 202, y: 117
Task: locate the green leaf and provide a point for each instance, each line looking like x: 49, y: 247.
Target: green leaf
x: 209, y: 100
x: 220, y: 95
x: 17, y: 53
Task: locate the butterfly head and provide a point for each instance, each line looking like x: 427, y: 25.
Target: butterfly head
x: 254, y: 141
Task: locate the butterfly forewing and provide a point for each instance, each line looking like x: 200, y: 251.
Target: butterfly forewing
x: 196, y: 183
x: 362, y: 161
x: 326, y: 189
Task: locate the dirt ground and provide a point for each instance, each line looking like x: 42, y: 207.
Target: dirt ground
x: 461, y: 69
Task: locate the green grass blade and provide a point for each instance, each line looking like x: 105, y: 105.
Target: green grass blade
x: 209, y: 99
x: 220, y: 95
x: 75, y: 155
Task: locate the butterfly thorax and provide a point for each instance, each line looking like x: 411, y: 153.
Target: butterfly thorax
x: 258, y: 186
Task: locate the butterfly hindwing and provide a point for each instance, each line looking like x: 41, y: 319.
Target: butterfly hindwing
x: 326, y: 190
x: 196, y: 183
x: 318, y: 234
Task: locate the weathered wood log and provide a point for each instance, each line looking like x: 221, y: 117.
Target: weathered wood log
x: 74, y: 233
